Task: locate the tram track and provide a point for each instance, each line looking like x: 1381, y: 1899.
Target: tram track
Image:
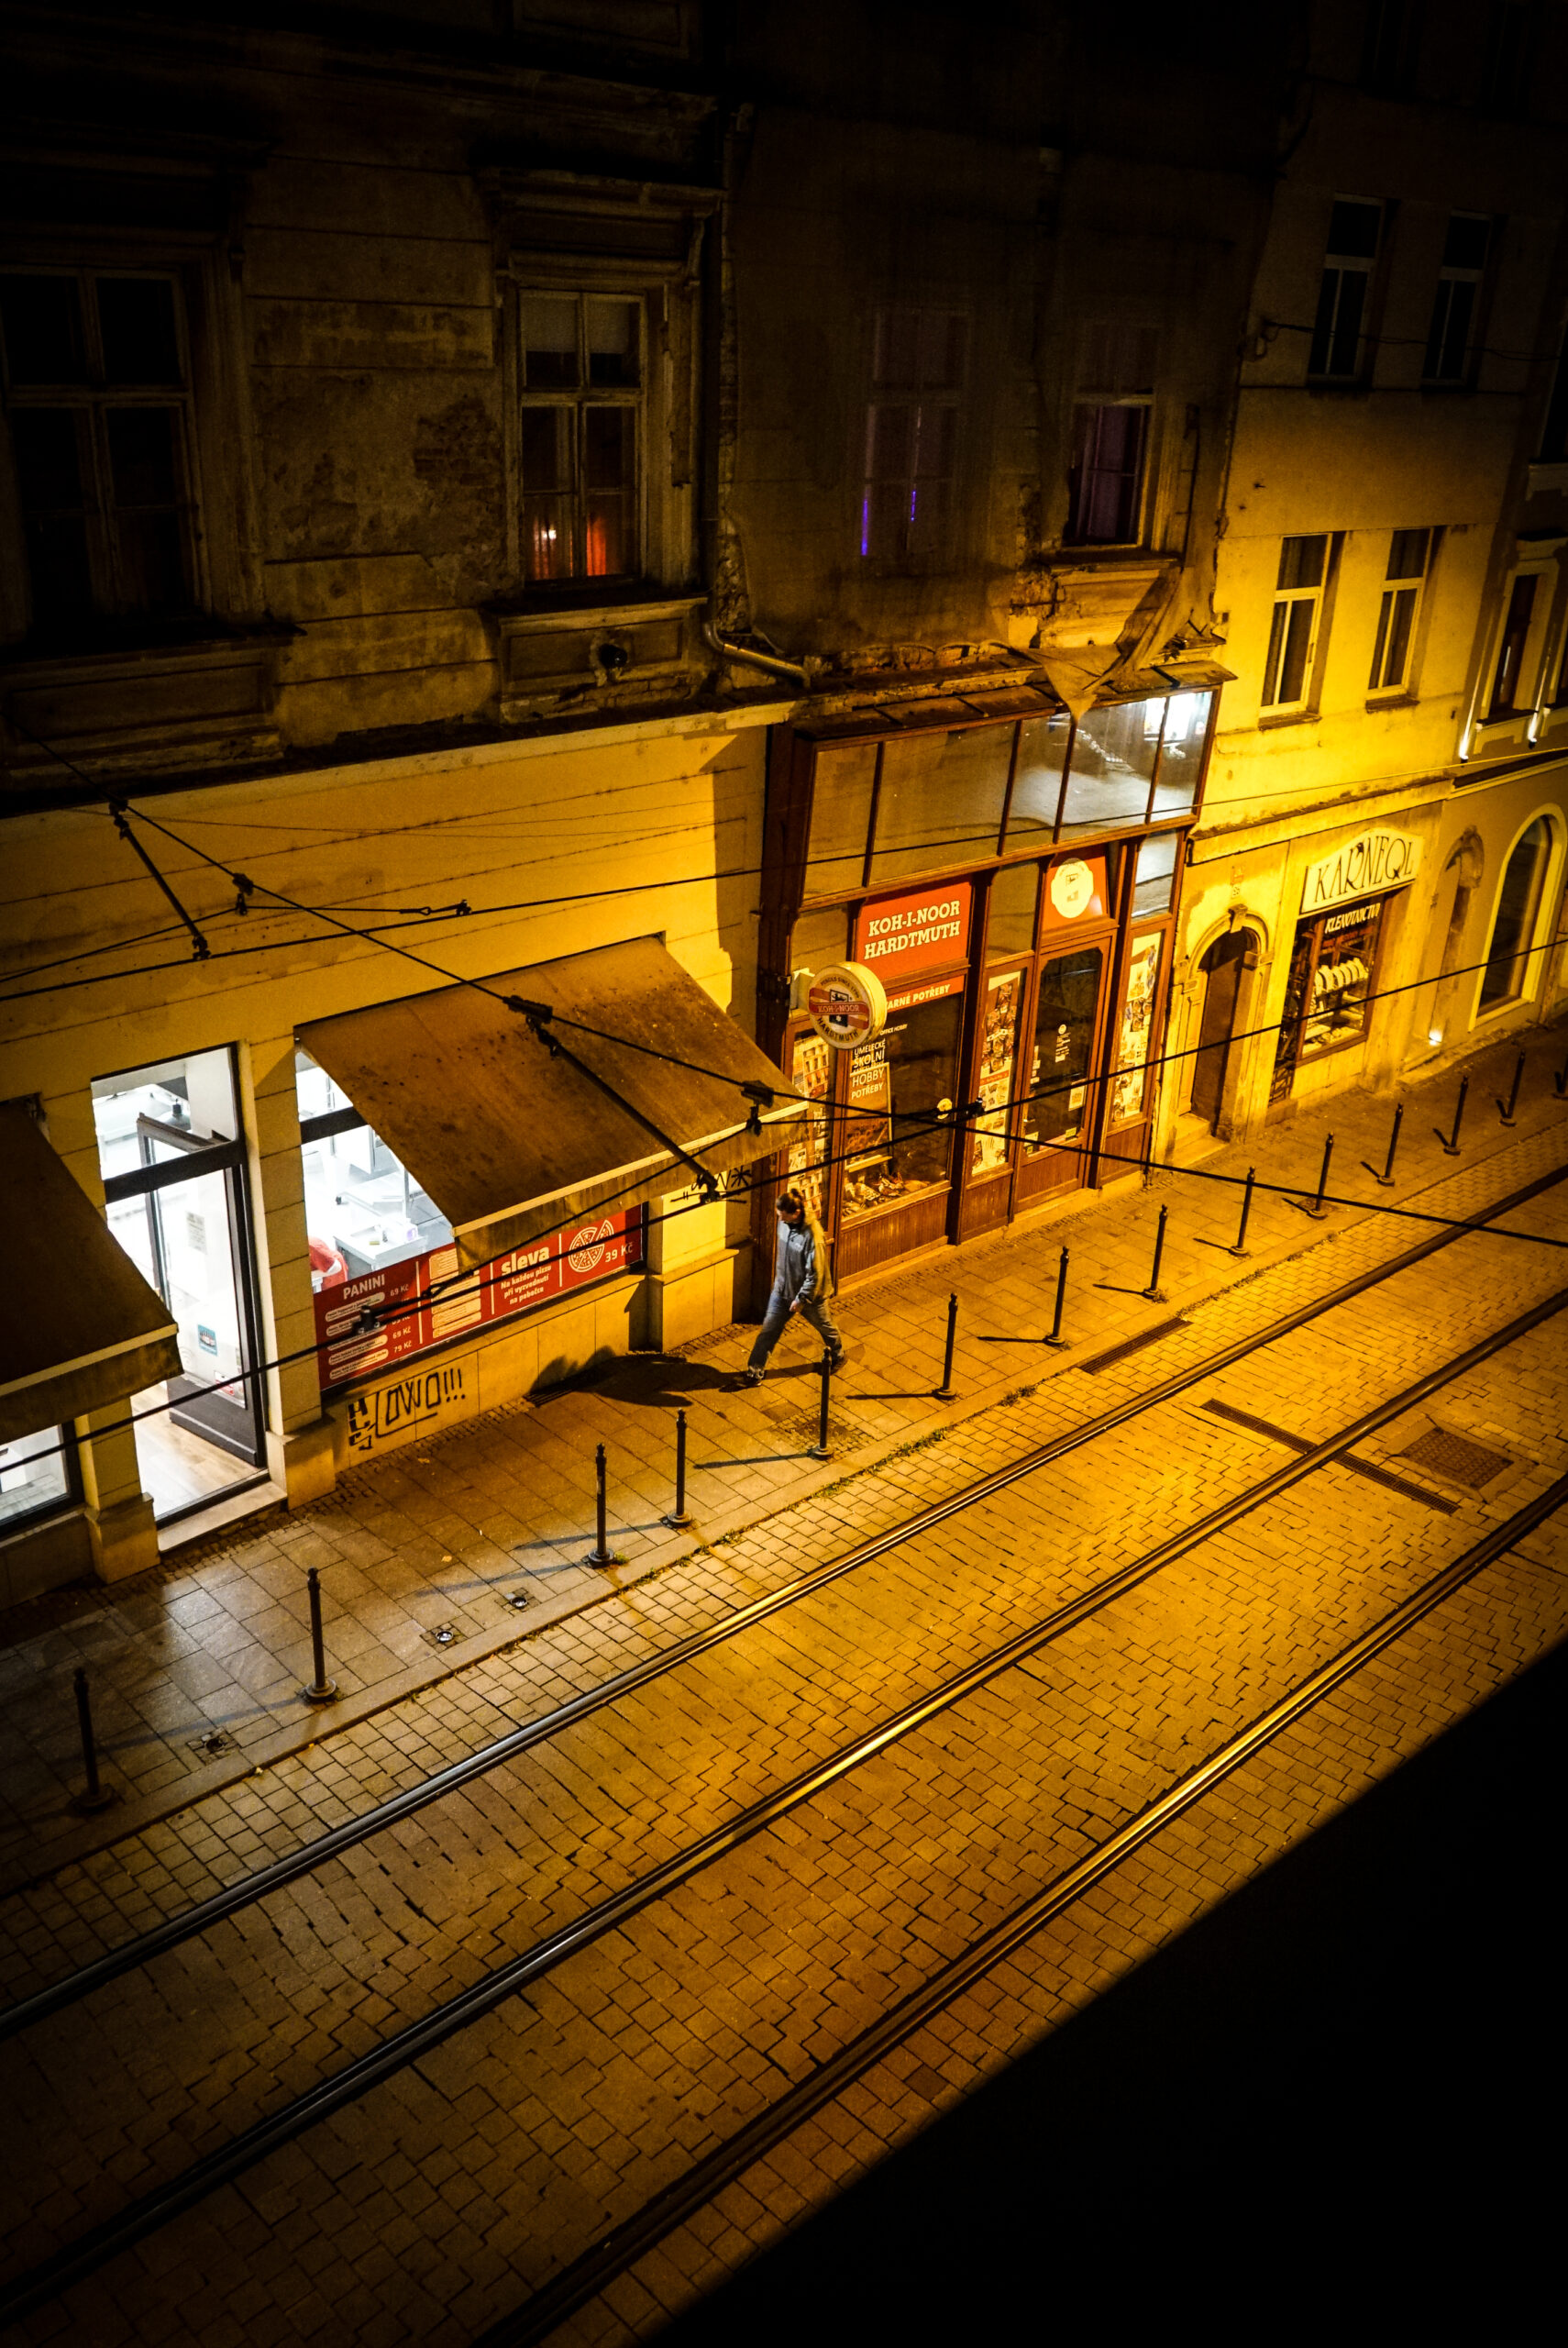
x: 570, y: 2291
x: 232, y: 1899
x: 159, y: 2206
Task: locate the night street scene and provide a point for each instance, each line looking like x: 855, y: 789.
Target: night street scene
x: 784, y: 1133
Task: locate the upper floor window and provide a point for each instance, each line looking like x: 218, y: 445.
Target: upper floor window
x: 1458, y: 294
x: 1110, y: 434
x: 1509, y: 973
x: 1505, y: 66
x: 97, y: 398
x: 1355, y: 232
x: 1388, y: 41
x: 1292, y: 631
x: 1509, y: 670
x: 1407, y: 558
x: 908, y: 492
x: 582, y: 370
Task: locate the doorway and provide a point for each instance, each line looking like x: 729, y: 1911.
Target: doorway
x: 174, y: 1184
x: 1222, y: 967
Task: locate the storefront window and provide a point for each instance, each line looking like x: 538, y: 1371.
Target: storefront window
x: 1064, y: 1017
x: 939, y: 800
x: 1037, y: 784
x: 841, y: 817
x: 1112, y: 766
x: 1135, y: 1040
x: 896, y: 1083
x: 363, y: 1210
x: 35, y: 1476
x: 1000, y: 1013
x: 1154, y: 884
x: 810, y: 1070
x: 1328, y: 987
x: 172, y: 1161
x: 1181, y: 755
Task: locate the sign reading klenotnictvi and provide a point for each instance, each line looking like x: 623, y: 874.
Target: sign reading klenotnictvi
x: 1373, y: 861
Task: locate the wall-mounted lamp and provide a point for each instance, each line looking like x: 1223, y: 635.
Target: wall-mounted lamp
x: 1434, y: 1035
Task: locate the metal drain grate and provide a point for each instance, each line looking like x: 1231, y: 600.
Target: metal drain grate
x: 1456, y: 1458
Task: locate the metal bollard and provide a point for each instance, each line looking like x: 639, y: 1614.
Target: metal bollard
x: 946, y: 1391
x: 820, y: 1449
x: 1316, y: 1209
x: 1451, y: 1146
x: 600, y: 1554
x: 1240, y: 1246
x: 97, y: 1796
x: 322, y: 1690
x: 1385, y: 1179
x: 1055, y: 1337
x: 678, y: 1518
x: 1513, y: 1099
x: 1153, y: 1291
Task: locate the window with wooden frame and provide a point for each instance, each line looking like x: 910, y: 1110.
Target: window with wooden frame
x: 1508, y: 671
x: 909, y: 485
x: 582, y: 378
x: 1410, y: 555
x: 98, y: 405
x: 1294, y: 628
x: 1456, y: 302
x: 1344, y: 294
x: 1329, y: 987
x: 1113, y: 415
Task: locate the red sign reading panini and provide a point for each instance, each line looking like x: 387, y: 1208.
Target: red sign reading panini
x: 917, y: 931
x: 409, y: 1319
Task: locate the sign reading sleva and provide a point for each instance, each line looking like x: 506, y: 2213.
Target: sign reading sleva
x: 917, y: 931
x: 1375, y: 859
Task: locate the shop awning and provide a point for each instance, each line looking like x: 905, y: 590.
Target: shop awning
x: 511, y: 1141
x: 79, y: 1326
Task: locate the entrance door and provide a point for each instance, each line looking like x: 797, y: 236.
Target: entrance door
x: 1222, y: 966
x: 1058, y: 1113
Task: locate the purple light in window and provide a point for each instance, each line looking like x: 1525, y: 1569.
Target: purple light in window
x: 866, y: 526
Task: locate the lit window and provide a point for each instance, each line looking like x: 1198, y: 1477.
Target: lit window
x: 1354, y: 232
x: 1455, y: 302
x: 1407, y: 558
x: 1508, y: 973
x: 1110, y: 434
x: 97, y: 402
x: 583, y: 397
x: 909, y: 494
x: 1293, y: 632
x: 1509, y: 670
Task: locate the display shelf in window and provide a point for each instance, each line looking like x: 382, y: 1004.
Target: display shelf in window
x: 998, y: 1055
x: 1329, y: 988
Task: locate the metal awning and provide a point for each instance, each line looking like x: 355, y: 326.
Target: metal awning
x: 511, y: 1141
x: 79, y: 1326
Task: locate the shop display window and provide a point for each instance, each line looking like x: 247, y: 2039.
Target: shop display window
x: 1135, y: 1038
x: 363, y: 1209
x: 841, y: 817
x: 809, y: 1066
x: 939, y: 802
x: 1328, y: 989
x: 1154, y: 884
x: 1037, y: 780
x: 36, y: 1476
x: 1065, y: 1010
x: 905, y: 1077
x: 1001, y: 1014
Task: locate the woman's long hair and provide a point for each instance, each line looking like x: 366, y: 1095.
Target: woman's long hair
x: 795, y: 1196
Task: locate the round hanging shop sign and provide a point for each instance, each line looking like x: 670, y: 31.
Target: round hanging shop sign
x: 1072, y: 887
x: 848, y: 1003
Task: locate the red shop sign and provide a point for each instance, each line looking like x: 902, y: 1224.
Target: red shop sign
x: 1075, y: 891
x: 916, y: 932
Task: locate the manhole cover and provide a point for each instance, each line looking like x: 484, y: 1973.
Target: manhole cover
x: 1455, y: 1458
x: 842, y: 1434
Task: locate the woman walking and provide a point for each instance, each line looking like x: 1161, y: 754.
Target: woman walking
x: 801, y: 1284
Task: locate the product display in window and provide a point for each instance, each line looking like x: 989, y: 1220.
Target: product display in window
x: 999, y: 1051
x: 1135, y: 1041
x: 898, y: 1085
x: 811, y: 1073
x: 1336, y: 1007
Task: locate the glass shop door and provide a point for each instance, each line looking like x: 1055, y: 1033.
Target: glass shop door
x: 1058, y: 1117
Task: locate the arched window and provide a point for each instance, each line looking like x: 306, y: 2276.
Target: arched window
x: 1508, y: 961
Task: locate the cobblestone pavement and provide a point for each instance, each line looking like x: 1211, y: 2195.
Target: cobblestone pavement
x: 216, y: 1642
x: 437, y: 2200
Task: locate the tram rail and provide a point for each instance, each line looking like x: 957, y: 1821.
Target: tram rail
x: 150, y: 2211
x: 258, y: 1885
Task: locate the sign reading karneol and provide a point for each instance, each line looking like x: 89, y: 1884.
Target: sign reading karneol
x: 1373, y: 861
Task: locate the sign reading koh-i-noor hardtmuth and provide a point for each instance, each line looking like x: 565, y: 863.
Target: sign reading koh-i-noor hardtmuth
x: 1380, y: 859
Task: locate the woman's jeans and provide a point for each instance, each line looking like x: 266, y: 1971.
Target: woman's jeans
x: 773, y: 1324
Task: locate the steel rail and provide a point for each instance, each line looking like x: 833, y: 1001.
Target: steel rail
x: 192, y: 1921
x: 158, y: 2207
x: 589, y: 2274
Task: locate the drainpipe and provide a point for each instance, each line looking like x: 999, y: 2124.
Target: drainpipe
x: 800, y: 673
